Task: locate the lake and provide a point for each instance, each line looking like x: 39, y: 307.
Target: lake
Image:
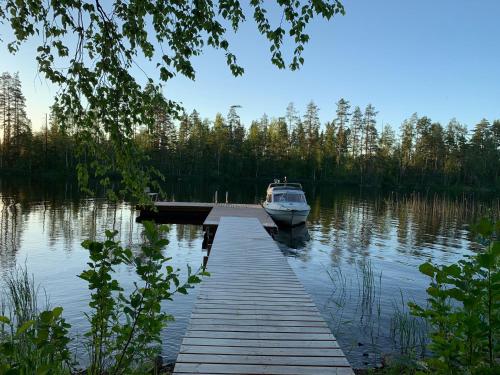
x: 358, y: 256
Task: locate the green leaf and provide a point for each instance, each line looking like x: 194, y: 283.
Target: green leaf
x: 495, y: 248
x: 46, y: 316
x: 486, y: 260
x: 427, y: 269
x: 456, y: 294
x: 193, y: 279
x: 24, y: 327
x: 56, y: 312
x: 484, y: 227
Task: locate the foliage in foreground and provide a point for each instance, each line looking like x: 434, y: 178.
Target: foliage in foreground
x: 31, y: 342
x: 463, y: 310
x: 124, y: 334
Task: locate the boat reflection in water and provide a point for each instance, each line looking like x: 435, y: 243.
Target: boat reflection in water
x: 294, y: 238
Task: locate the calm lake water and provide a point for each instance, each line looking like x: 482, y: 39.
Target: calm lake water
x: 358, y: 256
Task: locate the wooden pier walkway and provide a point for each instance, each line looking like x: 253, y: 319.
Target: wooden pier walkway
x: 207, y: 214
x: 252, y: 315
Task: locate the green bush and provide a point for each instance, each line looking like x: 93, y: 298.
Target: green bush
x: 31, y: 342
x: 125, y: 329
x: 124, y: 335
x: 463, y: 309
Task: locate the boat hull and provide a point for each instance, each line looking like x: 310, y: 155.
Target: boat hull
x: 288, y: 217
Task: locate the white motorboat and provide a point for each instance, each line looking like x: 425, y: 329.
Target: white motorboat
x: 286, y: 203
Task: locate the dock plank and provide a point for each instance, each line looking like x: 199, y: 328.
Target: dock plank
x: 249, y: 344
x: 215, y: 368
x: 245, y: 350
x: 263, y: 360
x: 235, y: 315
x: 253, y: 316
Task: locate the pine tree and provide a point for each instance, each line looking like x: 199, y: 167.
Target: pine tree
x: 292, y: 117
x: 222, y: 137
x: 370, y: 131
x: 255, y: 142
x: 387, y: 142
x: 341, y: 123
x: 437, y: 150
x: 455, y: 140
x: 6, y: 115
x: 423, y: 144
x: 236, y: 129
x: 278, y: 144
x: 408, y: 141
x: 330, y: 146
x: 311, y: 126
x: 184, y: 131
x: 482, y: 156
x: 16, y: 126
x: 356, y: 132
x: 233, y: 119
x: 196, y: 141
x: 495, y: 132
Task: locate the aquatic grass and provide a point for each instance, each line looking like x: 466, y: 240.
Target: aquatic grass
x: 369, y: 293
x: 338, y: 297
x: 366, y: 306
x: 408, y: 333
x: 31, y: 341
x: 22, y: 295
x: 339, y: 281
x: 367, y: 288
x: 464, y: 208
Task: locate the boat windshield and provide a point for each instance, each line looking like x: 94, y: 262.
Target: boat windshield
x: 289, y: 197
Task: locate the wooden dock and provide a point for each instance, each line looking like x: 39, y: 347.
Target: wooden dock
x: 239, y: 210
x: 207, y: 214
x: 252, y: 315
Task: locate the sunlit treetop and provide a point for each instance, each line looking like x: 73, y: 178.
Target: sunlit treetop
x: 90, y: 49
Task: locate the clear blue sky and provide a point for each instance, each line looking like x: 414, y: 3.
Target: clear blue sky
x: 436, y: 58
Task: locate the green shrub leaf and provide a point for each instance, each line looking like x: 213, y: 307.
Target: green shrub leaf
x: 24, y: 327
x: 427, y: 269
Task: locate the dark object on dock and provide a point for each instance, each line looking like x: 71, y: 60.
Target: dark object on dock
x: 252, y: 315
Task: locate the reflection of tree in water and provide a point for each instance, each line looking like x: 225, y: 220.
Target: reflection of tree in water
x: 72, y: 221
x: 187, y: 233
x: 11, y: 229
x: 414, y: 223
x: 439, y: 221
x: 382, y: 219
x: 65, y: 222
x: 346, y: 227
x: 403, y: 226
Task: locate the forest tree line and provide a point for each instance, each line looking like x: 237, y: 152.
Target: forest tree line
x: 352, y: 148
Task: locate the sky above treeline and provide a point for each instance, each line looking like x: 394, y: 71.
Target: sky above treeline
x: 436, y: 58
